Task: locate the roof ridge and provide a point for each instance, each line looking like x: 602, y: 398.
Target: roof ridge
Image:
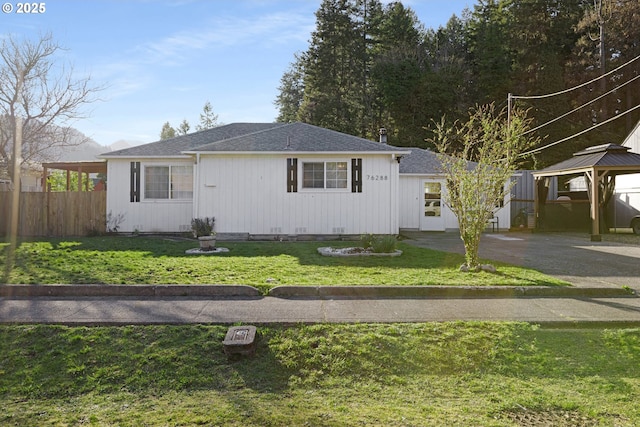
x: 276, y: 126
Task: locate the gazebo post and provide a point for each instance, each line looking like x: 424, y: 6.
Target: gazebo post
x: 45, y: 175
x: 595, y: 204
x: 79, y: 178
x: 536, y: 208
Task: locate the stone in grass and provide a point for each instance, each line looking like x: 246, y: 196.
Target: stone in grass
x: 489, y: 268
x: 240, y: 340
x: 482, y: 267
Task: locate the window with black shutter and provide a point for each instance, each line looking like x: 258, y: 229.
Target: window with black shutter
x: 356, y: 175
x: 292, y: 175
x: 134, y: 190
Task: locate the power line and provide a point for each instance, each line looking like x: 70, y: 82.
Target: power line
x: 510, y: 97
x: 536, y: 150
x: 582, y: 106
x: 575, y: 87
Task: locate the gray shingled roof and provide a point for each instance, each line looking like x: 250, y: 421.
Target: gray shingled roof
x: 257, y: 137
x: 175, y: 146
x: 420, y: 161
x: 297, y: 137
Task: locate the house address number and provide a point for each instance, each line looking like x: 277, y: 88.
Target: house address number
x: 377, y: 177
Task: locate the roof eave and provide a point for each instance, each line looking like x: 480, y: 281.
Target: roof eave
x: 130, y: 156
x: 398, y: 152
x: 573, y: 171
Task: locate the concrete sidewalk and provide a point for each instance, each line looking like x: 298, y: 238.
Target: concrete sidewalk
x: 182, y: 304
x: 262, y: 310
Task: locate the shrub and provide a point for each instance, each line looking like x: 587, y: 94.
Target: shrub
x: 367, y: 240
x: 384, y: 244
x: 379, y: 244
x: 202, y: 226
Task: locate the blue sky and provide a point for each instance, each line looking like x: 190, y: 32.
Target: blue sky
x: 162, y: 60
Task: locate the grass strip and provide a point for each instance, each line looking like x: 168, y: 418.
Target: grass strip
x: 453, y: 373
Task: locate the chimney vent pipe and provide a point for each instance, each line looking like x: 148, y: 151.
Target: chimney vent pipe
x: 383, y: 135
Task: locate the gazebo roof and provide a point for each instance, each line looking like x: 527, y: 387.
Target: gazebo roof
x: 611, y: 157
x: 99, y: 166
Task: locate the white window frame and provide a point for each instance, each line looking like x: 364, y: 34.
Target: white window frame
x: 324, y: 188
x: 170, y: 191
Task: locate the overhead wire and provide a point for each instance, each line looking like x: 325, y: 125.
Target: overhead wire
x: 581, y: 107
x: 549, y: 95
x: 609, y: 120
x: 536, y: 150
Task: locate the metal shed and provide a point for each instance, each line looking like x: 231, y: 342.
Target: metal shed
x: 600, y: 165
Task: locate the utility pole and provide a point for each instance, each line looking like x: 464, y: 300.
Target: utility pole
x: 17, y: 161
x: 602, y: 20
x: 17, y: 166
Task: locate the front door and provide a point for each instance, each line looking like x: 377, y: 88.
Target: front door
x: 431, y: 212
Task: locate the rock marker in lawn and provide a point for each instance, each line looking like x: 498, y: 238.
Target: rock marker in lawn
x: 212, y: 251
x: 356, y: 251
x: 240, y: 340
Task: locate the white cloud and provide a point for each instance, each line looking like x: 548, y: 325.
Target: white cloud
x: 229, y: 31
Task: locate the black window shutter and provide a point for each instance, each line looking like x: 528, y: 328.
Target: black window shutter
x: 135, y: 182
x: 292, y: 175
x: 356, y: 175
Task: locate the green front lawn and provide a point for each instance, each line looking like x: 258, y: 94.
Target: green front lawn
x: 441, y: 374
x: 147, y: 260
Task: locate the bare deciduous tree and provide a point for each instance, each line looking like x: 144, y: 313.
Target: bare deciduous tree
x: 44, y: 94
x: 478, y: 160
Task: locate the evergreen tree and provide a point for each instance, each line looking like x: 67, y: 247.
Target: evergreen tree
x: 398, y: 75
x: 184, y: 128
x: 543, y: 37
x: 331, y: 65
x: 291, y: 92
x: 167, y: 131
x: 208, y: 119
x: 369, y: 66
x: 490, y: 55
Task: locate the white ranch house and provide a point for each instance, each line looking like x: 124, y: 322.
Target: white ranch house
x: 276, y: 179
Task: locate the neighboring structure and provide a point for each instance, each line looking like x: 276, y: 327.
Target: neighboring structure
x: 277, y: 179
x: 30, y: 177
x: 627, y: 193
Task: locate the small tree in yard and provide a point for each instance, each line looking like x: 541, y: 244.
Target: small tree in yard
x: 478, y: 159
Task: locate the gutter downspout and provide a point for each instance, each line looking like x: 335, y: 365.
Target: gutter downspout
x: 196, y: 185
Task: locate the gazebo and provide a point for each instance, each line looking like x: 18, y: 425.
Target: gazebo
x: 81, y: 168
x: 600, y: 165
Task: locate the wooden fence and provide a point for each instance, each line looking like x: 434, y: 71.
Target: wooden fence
x: 56, y: 213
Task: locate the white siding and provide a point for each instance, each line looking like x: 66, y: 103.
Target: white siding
x: 247, y: 194
x: 628, y: 186
x: 146, y: 215
x: 412, y: 205
x: 633, y: 139
x: 410, y: 201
